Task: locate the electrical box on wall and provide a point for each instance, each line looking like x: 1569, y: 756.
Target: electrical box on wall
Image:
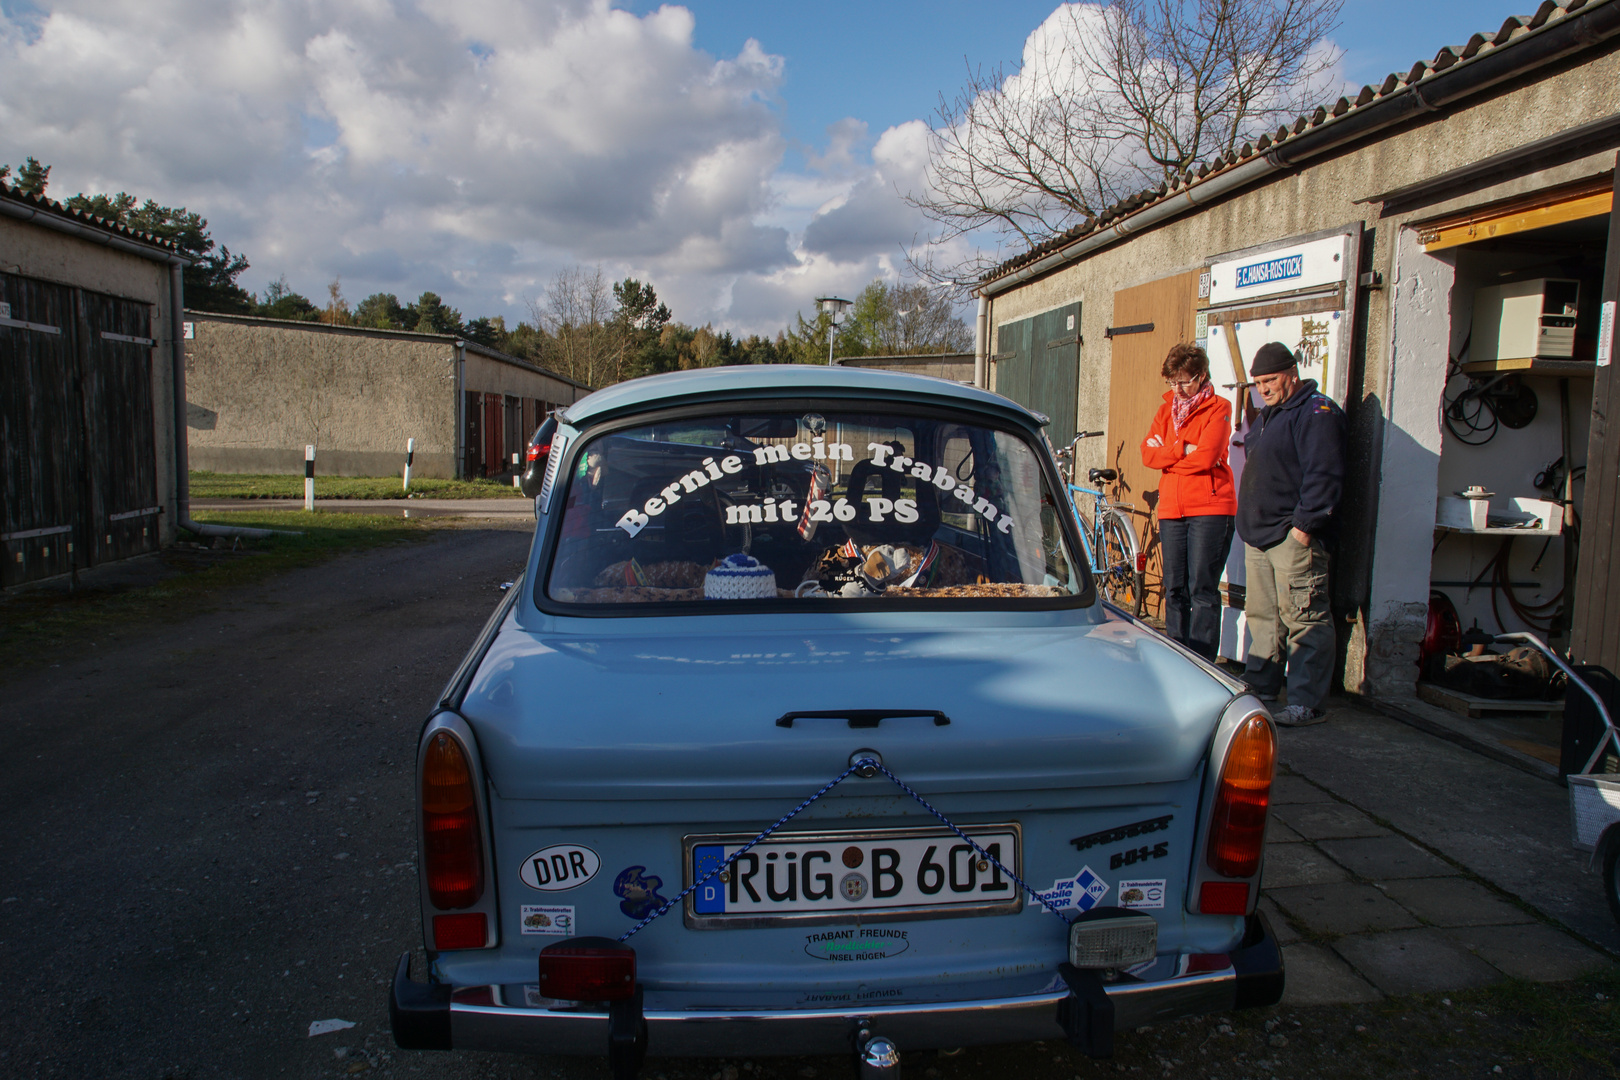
x: 1524, y: 320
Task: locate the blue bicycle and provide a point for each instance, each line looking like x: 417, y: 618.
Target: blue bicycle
x: 1116, y: 558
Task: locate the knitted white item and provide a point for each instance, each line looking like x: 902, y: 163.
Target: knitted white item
x: 740, y: 577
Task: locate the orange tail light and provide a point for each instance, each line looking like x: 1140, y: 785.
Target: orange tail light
x: 452, y: 854
x: 1238, y: 831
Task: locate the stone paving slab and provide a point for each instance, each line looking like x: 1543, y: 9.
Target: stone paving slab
x: 1295, y: 789
x: 1453, y: 901
x: 1534, y: 951
x: 1299, y: 864
x: 1415, y: 961
x: 1385, y: 858
x: 1278, y: 833
x: 1317, y: 977
x: 1324, y: 821
x: 1281, y: 928
x: 1505, y: 826
x: 1342, y: 908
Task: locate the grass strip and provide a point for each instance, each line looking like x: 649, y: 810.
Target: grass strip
x: 188, y: 578
x: 211, y: 485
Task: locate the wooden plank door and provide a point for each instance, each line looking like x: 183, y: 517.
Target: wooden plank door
x: 1147, y: 321
x: 121, y: 474
x: 41, y: 430
x: 1037, y: 364
x: 493, y: 442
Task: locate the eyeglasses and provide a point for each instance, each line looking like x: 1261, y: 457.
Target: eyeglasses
x: 1182, y: 384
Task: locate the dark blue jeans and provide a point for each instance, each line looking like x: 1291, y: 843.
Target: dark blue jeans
x: 1195, y: 551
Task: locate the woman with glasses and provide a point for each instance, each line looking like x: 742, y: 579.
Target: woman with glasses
x: 1197, y: 500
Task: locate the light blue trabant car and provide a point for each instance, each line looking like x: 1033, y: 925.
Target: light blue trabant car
x: 806, y: 732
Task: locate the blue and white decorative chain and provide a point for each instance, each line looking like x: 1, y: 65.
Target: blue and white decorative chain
x: 870, y: 765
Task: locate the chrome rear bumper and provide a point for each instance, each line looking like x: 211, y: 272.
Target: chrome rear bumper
x: 436, y: 1017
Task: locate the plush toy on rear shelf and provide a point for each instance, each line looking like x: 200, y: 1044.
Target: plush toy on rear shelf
x: 739, y: 577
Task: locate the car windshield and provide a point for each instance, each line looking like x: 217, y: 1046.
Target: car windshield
x: 810, y: 507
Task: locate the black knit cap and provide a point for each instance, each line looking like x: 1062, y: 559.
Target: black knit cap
x: 1273, y: 357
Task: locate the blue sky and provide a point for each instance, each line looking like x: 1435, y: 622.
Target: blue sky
x: 743, y: 157
x: 886, y: 63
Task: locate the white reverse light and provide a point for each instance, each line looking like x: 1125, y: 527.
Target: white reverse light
x: 1113, y: 943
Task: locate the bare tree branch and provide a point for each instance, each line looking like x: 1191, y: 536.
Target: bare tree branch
x: 1111, y: 99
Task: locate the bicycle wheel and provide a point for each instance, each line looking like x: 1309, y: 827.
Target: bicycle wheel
x: 1121, y: 583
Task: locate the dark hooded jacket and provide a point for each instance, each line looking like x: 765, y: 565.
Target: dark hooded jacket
x: 1293, y: 469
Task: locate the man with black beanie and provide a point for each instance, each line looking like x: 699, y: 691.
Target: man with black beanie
x: 1293, y: 474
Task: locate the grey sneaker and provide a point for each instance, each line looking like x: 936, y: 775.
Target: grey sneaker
x: 1299, y: 716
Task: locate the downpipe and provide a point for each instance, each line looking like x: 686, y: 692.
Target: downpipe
x: 182, y: 462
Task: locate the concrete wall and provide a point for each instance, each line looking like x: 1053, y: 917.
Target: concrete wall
x: 38, y: 252
x: 258, y: 391
x: 1406, y: 325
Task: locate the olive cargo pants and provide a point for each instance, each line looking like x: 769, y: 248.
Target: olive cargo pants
x: 1286, y: 605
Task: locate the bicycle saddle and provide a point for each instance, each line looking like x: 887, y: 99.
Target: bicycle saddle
x: 1103, y: 476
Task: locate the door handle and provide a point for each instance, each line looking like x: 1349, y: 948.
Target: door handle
x: 862, y: 718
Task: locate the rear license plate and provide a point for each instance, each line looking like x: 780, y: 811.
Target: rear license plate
x: 830, y: 877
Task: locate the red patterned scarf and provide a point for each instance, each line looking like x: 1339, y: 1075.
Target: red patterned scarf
x: 1182, y: 407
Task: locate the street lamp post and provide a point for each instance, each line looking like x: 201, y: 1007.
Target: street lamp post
x: 834, y: 306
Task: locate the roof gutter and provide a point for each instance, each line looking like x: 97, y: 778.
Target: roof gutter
x: 1548, y: 44
x: 90, y: 234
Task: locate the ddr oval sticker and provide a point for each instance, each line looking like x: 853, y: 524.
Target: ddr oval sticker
x: 561, y: 866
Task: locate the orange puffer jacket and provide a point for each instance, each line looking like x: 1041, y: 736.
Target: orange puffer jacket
x: 1197, y: 479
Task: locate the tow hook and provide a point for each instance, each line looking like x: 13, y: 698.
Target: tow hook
x: 627, y: 1036
x: 879, y: 1058
x: 1087, y: 1014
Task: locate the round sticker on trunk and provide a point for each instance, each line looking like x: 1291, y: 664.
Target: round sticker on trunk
x: 561, y: 866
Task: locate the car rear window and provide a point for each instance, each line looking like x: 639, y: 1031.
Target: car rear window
x: 816, y: 507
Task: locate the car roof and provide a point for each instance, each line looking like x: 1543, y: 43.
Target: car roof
x: 761, y: 380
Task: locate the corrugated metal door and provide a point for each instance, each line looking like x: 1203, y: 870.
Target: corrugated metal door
x: 1147, y: 321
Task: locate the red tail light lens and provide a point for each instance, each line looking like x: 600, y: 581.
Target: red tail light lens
x: 467, y: 931
x: 1238, y: 830
x: 588, y: 969
x: 452, y: 848
x: 538, y: 451
x: 1224, y: 898
x: 1141, y: 562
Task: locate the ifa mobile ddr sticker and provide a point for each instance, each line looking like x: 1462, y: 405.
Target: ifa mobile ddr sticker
x: 1082, y: 892
x: 559, y: 867
x: 550, y: 921
x: 1141, y: 894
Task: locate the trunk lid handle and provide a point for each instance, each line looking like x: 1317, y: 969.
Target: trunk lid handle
x: 862, y: 718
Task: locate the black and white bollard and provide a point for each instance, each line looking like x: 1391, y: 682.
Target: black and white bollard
x: 410, y: 452
x: 517, y: 470
x: 309, y: 477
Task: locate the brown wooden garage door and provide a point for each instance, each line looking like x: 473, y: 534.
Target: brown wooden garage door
x: 77, y: 427
x: 1148, y: 320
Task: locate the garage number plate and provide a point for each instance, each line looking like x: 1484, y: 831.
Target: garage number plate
x: 799, y: 877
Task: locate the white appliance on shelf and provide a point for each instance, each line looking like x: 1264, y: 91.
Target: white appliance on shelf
x: 1525, y: 320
